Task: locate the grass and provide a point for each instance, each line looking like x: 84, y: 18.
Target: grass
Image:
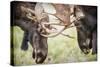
x: 61, y: 49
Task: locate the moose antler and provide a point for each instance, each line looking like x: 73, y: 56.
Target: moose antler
x: 60, y: 32
x: 63, y: 14
x: 28, y: 10
x: 29, y: 13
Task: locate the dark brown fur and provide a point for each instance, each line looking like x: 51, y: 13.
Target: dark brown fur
x: 39, y: 43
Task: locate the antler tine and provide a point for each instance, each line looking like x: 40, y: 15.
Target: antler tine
x: 31, y: 17
x: 29, y: 13
x: 54, y: 24
x: 55, y: 16
x: 60, y: 32
x: 27, y: 9
x: 67, y: 35
x: 53, y: 35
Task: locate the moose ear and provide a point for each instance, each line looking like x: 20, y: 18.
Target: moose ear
x: 79, y: 13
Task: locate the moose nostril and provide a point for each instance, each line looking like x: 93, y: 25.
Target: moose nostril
x: 40, y: 57
x: 86, y: 51
x: 38, y: 60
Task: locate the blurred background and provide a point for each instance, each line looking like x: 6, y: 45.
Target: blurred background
x: 61, y: 49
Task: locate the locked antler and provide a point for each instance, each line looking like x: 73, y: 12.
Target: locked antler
x: 63, y: 13
x: 66, y: 15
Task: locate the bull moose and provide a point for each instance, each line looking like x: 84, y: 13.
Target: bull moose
x: 38, y: 42
x: 87, y: 29
x: 34, y: 21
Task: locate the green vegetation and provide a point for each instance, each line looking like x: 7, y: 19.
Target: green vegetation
x: 61, y: 49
